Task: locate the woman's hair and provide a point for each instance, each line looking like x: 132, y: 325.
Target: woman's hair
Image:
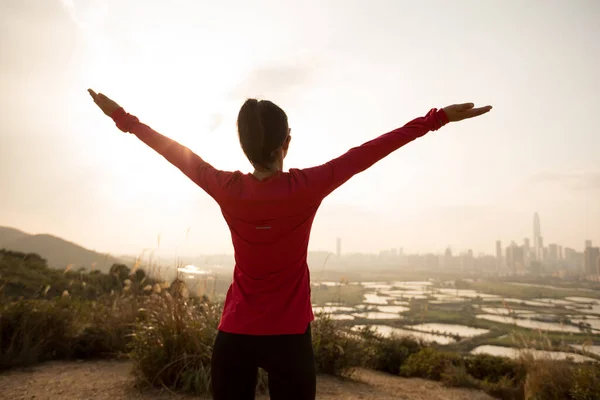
x: 262, y: 128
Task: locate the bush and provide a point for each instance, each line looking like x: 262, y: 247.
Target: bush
x: 586, y: 382
x: 494, y: 369
x: 548, y: 380
x: 554, y: 379
x: 457, y: 376
x: 110, y: 327
x: 35, y: 331
x: 505, y: 389
x: 389, y: 354
x: 428, y: 363
x: 336, y: 352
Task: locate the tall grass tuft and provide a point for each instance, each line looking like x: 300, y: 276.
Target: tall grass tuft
x: 172, y: 343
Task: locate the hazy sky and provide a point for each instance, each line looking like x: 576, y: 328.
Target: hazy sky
x: 345, y: 71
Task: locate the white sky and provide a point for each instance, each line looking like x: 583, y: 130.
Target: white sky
x: 345, y: 71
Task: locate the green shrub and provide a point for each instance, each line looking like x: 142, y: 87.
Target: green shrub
x: 110, y: 327
x: 336, y: 352
x: 505, y: 389
x: 493, y: 369
x: 428, y: 363
x: 586, y: 382
x: 499, y: 377
x: 35, y: 331
x: 457, y: 376
x: 389, y: 354
x: 548, y: 380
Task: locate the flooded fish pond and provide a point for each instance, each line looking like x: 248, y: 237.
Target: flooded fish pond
x: 433, y: 312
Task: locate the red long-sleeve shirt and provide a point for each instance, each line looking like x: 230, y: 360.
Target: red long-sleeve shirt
x: 270, y: 222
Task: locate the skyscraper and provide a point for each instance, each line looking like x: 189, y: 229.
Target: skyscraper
x: 537, y: 246
x: 338, y: 247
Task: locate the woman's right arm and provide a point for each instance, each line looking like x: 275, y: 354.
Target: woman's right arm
x: 193, y: 166
x: 324, y: 179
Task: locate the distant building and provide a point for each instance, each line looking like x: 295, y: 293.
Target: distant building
x: 338, y: 247
x: 588, y: 243
x: 570, y: 257
x: 515, y: 258
x: 590, y: 260
x: 537, y: 237
x: 560, y: 253
x: 527, y: 251
x: 552, y: 254
x: 498, y: 254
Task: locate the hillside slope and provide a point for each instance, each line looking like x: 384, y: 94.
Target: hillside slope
x: 8, y: 235
x: 58, y: 252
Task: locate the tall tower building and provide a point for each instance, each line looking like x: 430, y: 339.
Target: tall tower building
x: 338, y: 247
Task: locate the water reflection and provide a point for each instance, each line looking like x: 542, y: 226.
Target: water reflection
x: 374, y: 298
x: 589, y: 349
x: 504, y: 311
x: 392, y: 309
x: 387, y: 331
x: 585, y: 300
x: 450, y: 329
x: 332, y: 309
x: 193, y: 270
x: 377, y: 315
x: 529, y: 323
x: 511, y: 352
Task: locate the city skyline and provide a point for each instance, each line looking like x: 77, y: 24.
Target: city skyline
x: 499, y: 246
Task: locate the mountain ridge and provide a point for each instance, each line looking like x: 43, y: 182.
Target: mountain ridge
x: 58, y: 252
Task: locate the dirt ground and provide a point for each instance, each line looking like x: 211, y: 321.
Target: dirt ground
x: 111, y: 380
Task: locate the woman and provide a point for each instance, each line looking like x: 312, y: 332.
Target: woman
x: 267, y: 313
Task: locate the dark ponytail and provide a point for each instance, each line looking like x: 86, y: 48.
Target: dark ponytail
x: 262, y: 129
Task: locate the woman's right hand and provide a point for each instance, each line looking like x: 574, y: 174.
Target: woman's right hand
x: 458, y: 112
x: 107, y: 105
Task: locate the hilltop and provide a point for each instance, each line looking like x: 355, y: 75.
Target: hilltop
x: 58, y: 252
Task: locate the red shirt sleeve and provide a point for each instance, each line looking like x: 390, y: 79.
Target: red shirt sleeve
x: 193, y: 166
x: 324, y: 179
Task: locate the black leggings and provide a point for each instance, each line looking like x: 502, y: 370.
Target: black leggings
x: 289, y: 361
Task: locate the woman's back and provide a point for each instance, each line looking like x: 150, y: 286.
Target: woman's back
x: 270, y: 223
